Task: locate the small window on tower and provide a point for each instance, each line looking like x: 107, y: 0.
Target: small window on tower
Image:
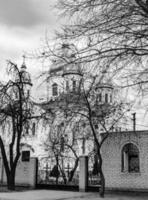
x: 67, y: 86
x: 74, y: 85
x: 16, y: 95
x: 100, y: 97
x: 55, y: 89
x: 28, y: 93
x: 106, y: 98
x: 111, y: 98
x: 33, y: 128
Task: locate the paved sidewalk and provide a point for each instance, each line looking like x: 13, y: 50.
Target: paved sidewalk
x: 64, y: 195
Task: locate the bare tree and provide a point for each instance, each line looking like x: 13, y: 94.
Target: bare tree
x: 109, y: 33
x: 61, y: 144
x: 16, y: 111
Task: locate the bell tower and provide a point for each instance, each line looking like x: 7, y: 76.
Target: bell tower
x: 104, y: 89
x: 72, y: 73
x: 26, y: 78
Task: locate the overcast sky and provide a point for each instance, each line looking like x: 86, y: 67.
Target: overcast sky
x: 23, y: 24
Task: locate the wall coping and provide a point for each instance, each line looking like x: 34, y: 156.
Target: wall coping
x: 128, y: 132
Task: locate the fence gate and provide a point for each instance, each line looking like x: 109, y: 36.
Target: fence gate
x: 56, y: 172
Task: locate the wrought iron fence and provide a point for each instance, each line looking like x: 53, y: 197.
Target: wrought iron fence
x: 93, y: 173
x: 48, y: 175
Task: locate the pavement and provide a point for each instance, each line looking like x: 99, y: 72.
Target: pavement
x: 66, y: 195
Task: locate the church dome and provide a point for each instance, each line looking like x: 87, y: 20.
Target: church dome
x: 104, y: 81
x: 55, y: 68
x: 65, y: 62
x: 72, y: 67
x: 69, y: 53
x: 104, y: 88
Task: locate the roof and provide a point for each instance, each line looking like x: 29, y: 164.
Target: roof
x: 56, y: 69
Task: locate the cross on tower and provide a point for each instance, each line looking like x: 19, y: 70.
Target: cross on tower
x: 24, y: 57
x: 23, y: 67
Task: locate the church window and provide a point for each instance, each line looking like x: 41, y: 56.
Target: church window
x: 106, y: 98
x: 111, y: 98
x: 55, y: 89
x: 67, y: 86
x: 16, y: 95
x: 74, y: 85
x: 100, y: 97
x: 130, y: 158
x: 28, y: 93
x: 33, y: 128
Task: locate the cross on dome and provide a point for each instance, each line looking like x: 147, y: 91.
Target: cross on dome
x: 23, y: 67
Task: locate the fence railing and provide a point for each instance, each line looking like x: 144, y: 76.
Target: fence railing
x: 44, y: 177
x: 93, y: 180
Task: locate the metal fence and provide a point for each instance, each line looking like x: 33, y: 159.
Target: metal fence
x: 46, y: 175
x: 93, y: 173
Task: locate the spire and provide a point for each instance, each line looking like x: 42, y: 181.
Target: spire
x: 23, y: 67
x: 25, y: 74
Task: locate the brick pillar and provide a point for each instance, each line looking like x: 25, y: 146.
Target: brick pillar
x: 83, y: 174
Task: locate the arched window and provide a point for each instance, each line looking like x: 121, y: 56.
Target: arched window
x: 55, y: 89
x: 67, y: 86
x: 74, y: 85
x: 33, y: 128
x: 106, y: 98
x: 130, y: 158
x: 111, y: 98
x: 100, y: 97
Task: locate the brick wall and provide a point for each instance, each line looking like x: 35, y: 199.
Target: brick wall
x: 111, y: 152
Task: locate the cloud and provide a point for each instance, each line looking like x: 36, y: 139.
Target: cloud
x: 24, y: 13
x: 23, y: 24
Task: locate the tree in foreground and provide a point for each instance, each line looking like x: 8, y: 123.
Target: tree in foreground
x: 109, y: 33
x: 16, y: 110
x: 60, y: 143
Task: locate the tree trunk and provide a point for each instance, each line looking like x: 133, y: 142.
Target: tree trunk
x: 102, y: 187
x: 57, y: 180
x: 102, y: 181
x: 11, y: 180
x: 63, y: 174
x: 57, y: 163
x: 73, y: 170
